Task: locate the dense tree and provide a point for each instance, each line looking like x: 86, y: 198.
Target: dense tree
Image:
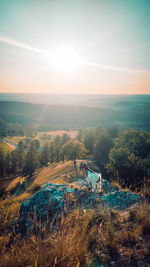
x: 113, y: 132
x: 2, y: 164
x: 64, y: 139
x: 129, y: 160
x: 89, y: 141
x: 57, y: 145
x: 29, y: 167
x: 52, y: 151
x: 13, y: 162
x: 44, y: 158
x: 137, y: 142
x: 81, y: 135
x: 8, y: 164
x: 31, y: 160
x: 20, y: 155
x: 99, y: 131
x: 117, y: 166
x: 103, y: 146
x: 36, y: 143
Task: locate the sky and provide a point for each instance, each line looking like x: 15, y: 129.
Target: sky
x: 88, y: 47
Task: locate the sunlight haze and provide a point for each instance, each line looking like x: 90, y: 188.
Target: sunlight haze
x: 87, y: 47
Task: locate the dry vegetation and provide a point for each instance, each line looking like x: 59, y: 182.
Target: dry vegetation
x: 15, y: 139
x: 4, y: 148
x: 44, y: 175
x: 79, y: 238
x: 72, y: 134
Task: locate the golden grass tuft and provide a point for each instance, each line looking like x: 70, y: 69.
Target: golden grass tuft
x: 9, y: 210
x: 66, y: 247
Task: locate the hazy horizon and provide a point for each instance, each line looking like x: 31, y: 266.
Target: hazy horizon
x: 85, y: 100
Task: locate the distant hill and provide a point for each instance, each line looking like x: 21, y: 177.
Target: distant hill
x: 85, y: 100
x: 65, y: 117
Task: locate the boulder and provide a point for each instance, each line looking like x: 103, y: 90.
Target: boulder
x: 54, y: 199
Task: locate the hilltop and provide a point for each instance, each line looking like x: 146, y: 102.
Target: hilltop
x: 101, y: 234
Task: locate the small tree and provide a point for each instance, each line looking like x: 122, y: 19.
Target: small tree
x: 72, y: 150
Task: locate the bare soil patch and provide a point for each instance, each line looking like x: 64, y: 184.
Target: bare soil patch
x: 72, y: 134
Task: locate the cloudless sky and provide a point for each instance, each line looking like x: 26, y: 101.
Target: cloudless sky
x: 111, y: 33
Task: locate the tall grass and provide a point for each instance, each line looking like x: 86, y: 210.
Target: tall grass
x: 68, y: 246
x: 78, y: 238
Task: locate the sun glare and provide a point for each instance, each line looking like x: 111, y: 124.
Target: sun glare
x: 65, y: 58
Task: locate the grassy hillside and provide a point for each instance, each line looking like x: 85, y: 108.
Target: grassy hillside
x: 15, y: 139
x: 4, y: 148
x: 25, y: 186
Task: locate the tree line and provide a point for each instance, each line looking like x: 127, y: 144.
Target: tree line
x: 16, y: 129
x: 29, y: 156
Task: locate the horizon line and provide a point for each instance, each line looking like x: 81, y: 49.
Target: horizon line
x: 113, y: 94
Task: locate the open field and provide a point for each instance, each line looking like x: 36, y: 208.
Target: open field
x: 41, y: 136
x: 15, y: 139
x: 72, y: 134
x: 4, y: 148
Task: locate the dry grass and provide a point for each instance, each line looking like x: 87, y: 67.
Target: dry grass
x: 81, y: 237
x: 47, y: 174
x: 72, y: 134
x: 66, y: 247
x: 5, y: 148
x: 142, y: 216
x: 13, y: 183
x: 9, y: 210
x: 116, y: 184
x: 16, y: 139
x: 22, y: 197
x: 145, y: 190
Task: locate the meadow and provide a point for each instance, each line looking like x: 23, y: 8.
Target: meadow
x: 4, y: 148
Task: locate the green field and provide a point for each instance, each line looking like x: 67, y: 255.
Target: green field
x: 4, y: 148
x: 40, y: 137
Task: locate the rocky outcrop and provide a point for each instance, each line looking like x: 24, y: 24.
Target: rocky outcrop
x: 54, y: 199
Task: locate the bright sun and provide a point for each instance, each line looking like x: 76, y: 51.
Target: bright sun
x: 65, y: 58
